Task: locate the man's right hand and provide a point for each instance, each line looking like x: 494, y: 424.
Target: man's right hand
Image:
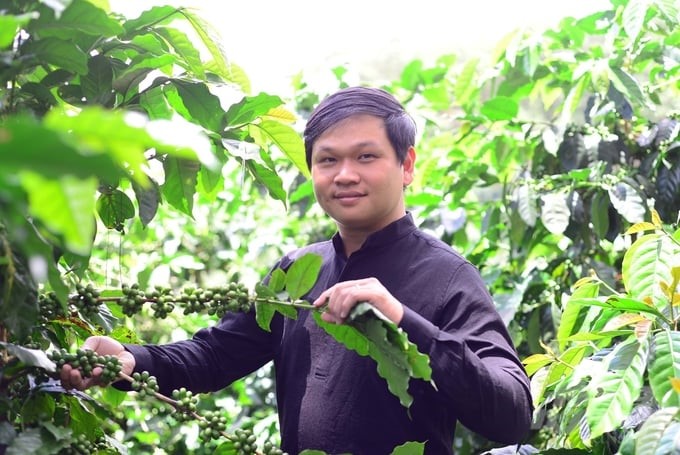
x: 71, y: 377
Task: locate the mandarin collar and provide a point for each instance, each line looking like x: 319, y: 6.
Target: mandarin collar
x: 384, y: 236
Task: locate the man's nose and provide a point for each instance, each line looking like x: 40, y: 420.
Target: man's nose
x: 347, y: 172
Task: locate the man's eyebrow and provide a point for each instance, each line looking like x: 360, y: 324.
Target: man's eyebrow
x: 358, y: 145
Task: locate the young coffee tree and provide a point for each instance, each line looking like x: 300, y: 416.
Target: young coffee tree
x: 103, y: 119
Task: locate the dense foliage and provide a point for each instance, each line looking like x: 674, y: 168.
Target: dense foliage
x: 132, y: 151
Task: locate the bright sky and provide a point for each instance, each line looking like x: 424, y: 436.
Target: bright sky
x: 274, y: 39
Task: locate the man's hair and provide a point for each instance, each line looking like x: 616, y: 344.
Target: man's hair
x: 400, y: 127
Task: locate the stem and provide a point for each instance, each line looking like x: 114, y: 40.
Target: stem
x: 175, y: 404
x: 606, y: 286
x: 296, y: 304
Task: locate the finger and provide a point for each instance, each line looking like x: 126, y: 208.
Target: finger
x: 65, y: 376
x: 329, y: 317
x: 322, y: 299
x: 93, y: 343
x: 71, y: 378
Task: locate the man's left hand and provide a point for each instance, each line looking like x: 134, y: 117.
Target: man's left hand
x: 342, y: 297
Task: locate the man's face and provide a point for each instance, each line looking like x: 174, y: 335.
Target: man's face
x: 357, y: 177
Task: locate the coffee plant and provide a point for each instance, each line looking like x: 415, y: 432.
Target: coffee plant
x: 552, y: 165
x: 614, y: 369
x: 85, y: 305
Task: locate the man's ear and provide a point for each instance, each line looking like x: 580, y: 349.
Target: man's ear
x: 409, y: 165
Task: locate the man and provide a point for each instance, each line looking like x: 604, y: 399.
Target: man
x: 359, y: 145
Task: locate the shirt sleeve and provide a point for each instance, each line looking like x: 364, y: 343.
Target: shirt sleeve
x: 212, y: 359
x: 475, y: 367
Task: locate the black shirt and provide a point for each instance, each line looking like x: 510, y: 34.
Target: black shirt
x: 332, y: 399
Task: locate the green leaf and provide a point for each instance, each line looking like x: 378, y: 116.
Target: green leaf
x: 40, y: 92
x: 97, y: 84
x: 83, y: 16
x: 568, y: 361
x: 83, y: 418
x: 66, y: 206
x: 149, y: 199
x: 525, y: 197
x: 138, y: 70
x: 670, y: 9
x: 263, y: 312
x: 628, y: 202
x: 633, y: 18
x: 646, y: 264
x: 596, y: 336
x: 288, y: 141
x: 251, y: 108
x: 226, y: 448
x: 158, y: 15
x: 535, y: 362
x: 27, y: 441
x: 114, y: 208
x: 500, y: 108
x: 58, y: 52
x: 190, y: 57
x: 627, y: 85
x: 37, y: 407
x: 612, y: 396
x: 574, y: 97
x: 369, y: 333
x: 665, y: 367
x: 108, y: 132
x: 466, y: 83
x: 574, y: 315
x: 113, y: 397
x: 302, y: 275
x: 277, y: 280
x: 599, y: 214
x: 9, y: 26
x: 619, y: 304
x: 658, y: 434
x: 410, y: 448
x: 268, y: 178
x: 30, y: 357
x: 220, y: 63
x: 210, y: 182
x: 180, y: 183
x: 204, y: 107
x: 267, y: 305
x: 156, y: 106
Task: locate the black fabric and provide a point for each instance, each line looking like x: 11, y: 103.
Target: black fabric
x: 330, y: 398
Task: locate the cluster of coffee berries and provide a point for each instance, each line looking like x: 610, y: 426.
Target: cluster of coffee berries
x: 233, y: 297
x: 193, y: 300
x: 186, y: 404
x: 50, y: 307
x: 162, y: 302
x: 271, y: 449
x: 81, y: 445
x: 86, y: 360
x: 162, y: 307
x: 133, y: 299
x: 215, y: 301
x: 212, y: 426
x: 244, y: 442
x: 86, y: 300
x: 144, y: 383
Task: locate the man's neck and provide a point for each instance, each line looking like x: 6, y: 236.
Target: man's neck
x: 352, y: 241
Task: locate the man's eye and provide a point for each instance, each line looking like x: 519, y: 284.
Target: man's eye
x: 326, y: 159
x: 366, y: 156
